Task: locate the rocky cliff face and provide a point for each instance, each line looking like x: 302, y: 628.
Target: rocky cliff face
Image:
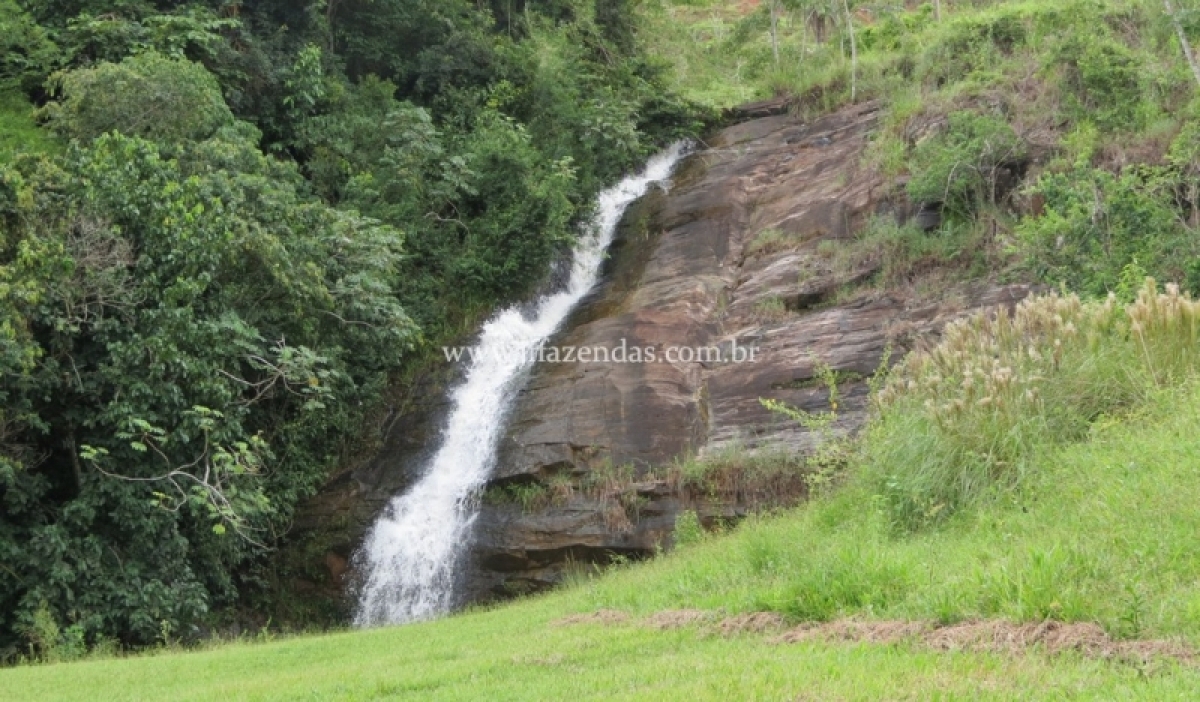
x: 734, y: 258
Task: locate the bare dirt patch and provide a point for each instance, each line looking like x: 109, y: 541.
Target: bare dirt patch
x: 1052, y: 637
x: 987, y: 636
x: 753, y: 623
x: 994, y: 636
x: 879, y: 632
x: 711, y: 621
x: 606, y: 617
x: 678, y: 618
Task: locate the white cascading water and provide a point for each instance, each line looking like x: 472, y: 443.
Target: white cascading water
x: 409, y: 556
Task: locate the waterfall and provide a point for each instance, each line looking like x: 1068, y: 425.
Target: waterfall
x: 409, y: 557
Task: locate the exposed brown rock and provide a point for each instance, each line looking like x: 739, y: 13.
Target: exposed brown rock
x: 337, y: 565
x: 684, y: 272
x: 763, y: 108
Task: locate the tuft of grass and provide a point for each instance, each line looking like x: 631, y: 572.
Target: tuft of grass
x: 531, y: 496
x: 688, y: 529
x: 970, y: 415
x: 767, y: 242
x: 756, y: 479
x: 618, y: 487
x: 557, y: 490
x: 771, y: 310
x: 906, y: 256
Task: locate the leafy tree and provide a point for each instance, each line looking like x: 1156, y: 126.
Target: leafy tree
x: 148, y: 95
x: 194, y: 33
x: 185, y: 341
x: 424, y: 46
x: 27, y: 52
x: 615, y: 18
x: 1185, y: 43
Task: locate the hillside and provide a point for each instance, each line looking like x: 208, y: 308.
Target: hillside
x: 965, y: 235
x: 1102, y: 534
x: 938, y: 167
x: 999, y: 114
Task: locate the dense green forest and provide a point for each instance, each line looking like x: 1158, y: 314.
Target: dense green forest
x: 225, y: 225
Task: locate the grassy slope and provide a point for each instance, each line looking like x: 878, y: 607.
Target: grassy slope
x: 488, y: 657
x: 691, y: 39
x: 1110, y: 538
x: 18, y: 132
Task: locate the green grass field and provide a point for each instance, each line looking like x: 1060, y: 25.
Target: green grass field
x: 517, y: 654
x: 1105, y: 534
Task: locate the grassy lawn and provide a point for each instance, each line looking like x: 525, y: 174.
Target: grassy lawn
x: 516, y: 654
x: 1106, y: 534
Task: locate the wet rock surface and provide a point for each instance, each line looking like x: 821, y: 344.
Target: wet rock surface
x: 691, y: 269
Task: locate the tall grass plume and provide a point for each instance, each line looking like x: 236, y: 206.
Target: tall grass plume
x: 964, y: 419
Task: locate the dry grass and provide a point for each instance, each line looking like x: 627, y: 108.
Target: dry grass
x: 752, y: 623
x: 606, y: 617
x: 678, y: 618
x: 965, y: 417
x: 772, y: 310
x: 760, y: 479
x: 769, y: 241
x: 976, y: 636
x: 994, y: 636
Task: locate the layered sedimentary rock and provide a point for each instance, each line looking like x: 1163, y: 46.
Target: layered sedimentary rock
x: 734, y: 257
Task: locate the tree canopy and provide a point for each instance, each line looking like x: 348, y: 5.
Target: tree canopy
x: 261, y: 213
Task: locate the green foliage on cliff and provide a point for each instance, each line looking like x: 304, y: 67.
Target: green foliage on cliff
x: 960, y: 167
x: 1063, y: 130
x: 27, y: 53
x: 19, y: 133
x: 1097, y: 223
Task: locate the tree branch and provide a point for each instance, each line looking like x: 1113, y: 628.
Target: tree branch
x: 1183, y: 41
